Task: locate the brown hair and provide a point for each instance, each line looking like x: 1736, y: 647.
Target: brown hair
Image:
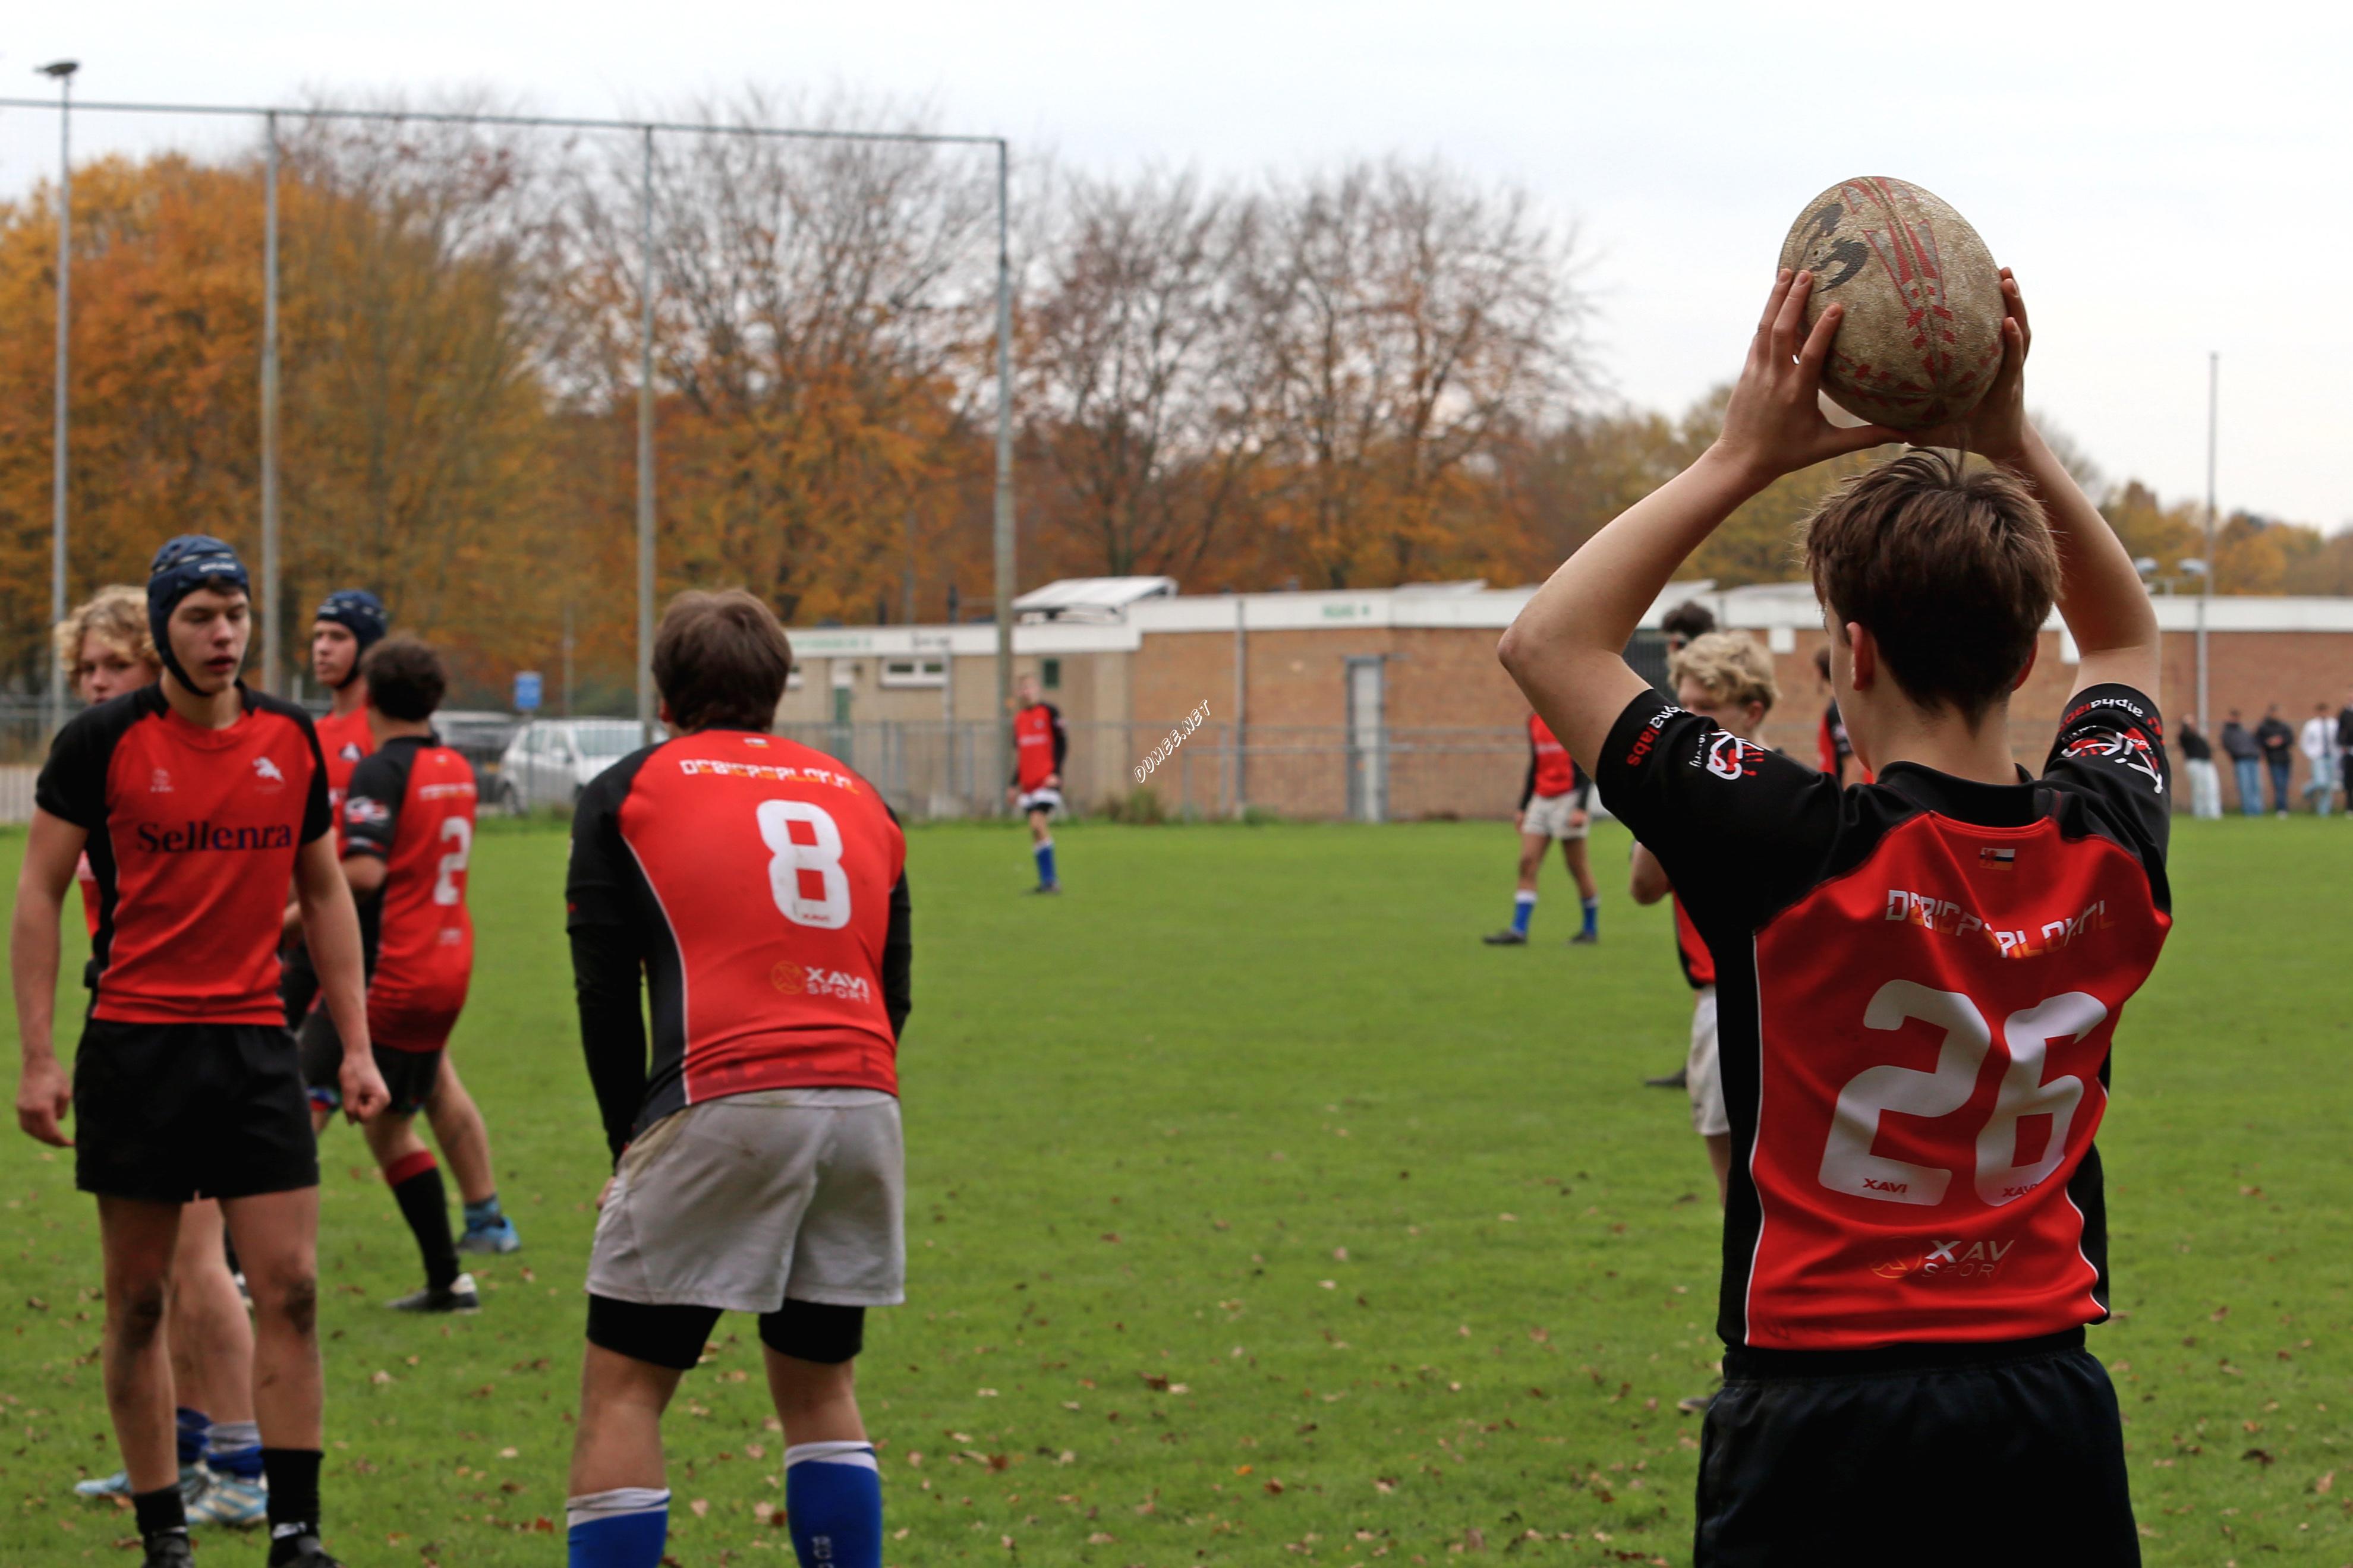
x: 1729, y: 667
x: 1689, y: 619
x: 721, y: 661
x: 1952, y: 570
x: 405, y: 679
x: 116, y: 613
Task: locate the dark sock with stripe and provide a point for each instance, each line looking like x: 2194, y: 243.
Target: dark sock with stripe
x: 415, y: 1182
x: 160, y: 1513
x: 293, y: 1499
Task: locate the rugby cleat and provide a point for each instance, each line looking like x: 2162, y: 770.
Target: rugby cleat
x: 498, y: 1236
x: 1679, y: 1078
x: 171, y: 1551
x: 193, y: 1478
x: 1585, y: 939
x: 232, y: 1501
x: 459, y: 1296
x: 1506, y: 939
x: 306, y: 1553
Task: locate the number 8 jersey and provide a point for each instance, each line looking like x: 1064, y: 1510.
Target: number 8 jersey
x: 759, y: 882
x: 1918, y: 982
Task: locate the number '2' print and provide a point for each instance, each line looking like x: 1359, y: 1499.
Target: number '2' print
x: 1850, y: 1166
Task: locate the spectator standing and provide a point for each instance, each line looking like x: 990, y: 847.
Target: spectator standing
x: 2205, y: 783
x: 2246, y: 762
x: 2278, y: 742
x: 2344, y: 749
x: 2318, y: 741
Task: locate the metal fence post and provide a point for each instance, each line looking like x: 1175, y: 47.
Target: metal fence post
x: 63, y: 70
x: 1004, y: 521
x: 646, y: 443
x: 272, y: 666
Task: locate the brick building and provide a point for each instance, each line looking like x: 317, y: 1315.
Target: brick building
x: 1385, y: 704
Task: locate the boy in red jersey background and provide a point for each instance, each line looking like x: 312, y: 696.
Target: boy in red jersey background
x: 198, y: 801
x: 1039, y: 744
x: 1552, y: 805
x: 759, y: 888
x: 408, y: 834
x: 1921, y: 977
x: 347, y: 624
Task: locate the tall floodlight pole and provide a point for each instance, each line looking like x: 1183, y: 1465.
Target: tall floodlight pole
x: 2206, y: 578
x: 272, y: 671
x: 646, y: 443
x: 1004, y: 568
x: 63, y: 70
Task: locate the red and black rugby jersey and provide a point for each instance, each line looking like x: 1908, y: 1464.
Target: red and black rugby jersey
x: 1551, y: 770
x: 761, y: 884
x: 412, y: 805
x: 343, y: 742
x: 1918, y: 982
x: 1691, y: 951
x: 1038, y: 745
x: 193, y: 833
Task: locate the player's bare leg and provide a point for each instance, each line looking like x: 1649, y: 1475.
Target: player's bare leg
x: 1523, y: 896
x: 1580, y: 860
x: 617, y: 1507
x: 416, y: 1181
x: 833, y: 1488
x: 139, y: 1240
x: 1041, y: 849
x: 212, y: 1370
x: 465, y: 1140
x: 277, y: 1240
x: 1719, y: 1160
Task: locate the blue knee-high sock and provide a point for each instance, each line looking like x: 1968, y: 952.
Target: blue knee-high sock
x: 1523, y: 910
x: 234, y: 1448
x: 192, y: 1425
x: 1044, y: 853
x: 833, y: 1499
x: 624, y: 1527
x: 1592, y: 916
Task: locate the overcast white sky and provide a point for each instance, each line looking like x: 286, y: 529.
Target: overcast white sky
x: 2166, y: 180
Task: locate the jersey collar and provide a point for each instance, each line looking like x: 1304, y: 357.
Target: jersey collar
x: 1965, y: 800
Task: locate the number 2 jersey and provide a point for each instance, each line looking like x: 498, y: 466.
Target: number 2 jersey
x: 412, y: 805
x: 762, y: 886
x: 1918, y: 984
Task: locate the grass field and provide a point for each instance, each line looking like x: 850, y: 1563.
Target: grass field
x: 1258, y: 1211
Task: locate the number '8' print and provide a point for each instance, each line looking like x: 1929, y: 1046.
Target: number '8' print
x: 789, y: 859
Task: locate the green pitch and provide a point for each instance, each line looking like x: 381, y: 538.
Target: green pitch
x: 1257, y: 1212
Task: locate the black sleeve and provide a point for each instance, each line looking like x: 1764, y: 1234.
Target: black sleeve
x: 899, y: 959
x: 72, y: 785
x: 2345, y: 729
x: 372, y: 805
x: 2111, y: 750
x: 317, y: 811
x: 1739, y: 831
x: 1581, y: 793
x: 1062, y: 737
x: 605, y: 982
x: 1528, y: 784
x: 596, y: 886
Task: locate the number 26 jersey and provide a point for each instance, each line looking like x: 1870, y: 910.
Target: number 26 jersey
x: 1918, y: 984
x: 757, y: 879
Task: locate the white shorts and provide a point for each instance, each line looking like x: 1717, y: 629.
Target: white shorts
x: 1046, y: 800
x: 1703, y: 1076
x: 739, y: 1203
x: 1548, y: 816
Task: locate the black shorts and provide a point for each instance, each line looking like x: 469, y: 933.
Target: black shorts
x: 408, y: 1076
x: 170, y: 1112
x: 1914, y: 1454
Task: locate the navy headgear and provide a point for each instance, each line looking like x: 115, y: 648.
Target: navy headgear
x: 185, y: 563
x: 360, y: 613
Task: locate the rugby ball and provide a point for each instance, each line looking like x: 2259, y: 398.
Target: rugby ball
x: 1920, y: 338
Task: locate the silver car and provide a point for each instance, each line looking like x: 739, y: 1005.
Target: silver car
x: 550, y: 761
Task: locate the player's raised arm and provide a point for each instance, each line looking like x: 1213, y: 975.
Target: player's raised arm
x: 1566, y: 649
x: 44, y: 1092
x: 2100, y: 595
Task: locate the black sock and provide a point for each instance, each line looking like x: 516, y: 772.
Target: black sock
x: 425, y: 1206
x: 160, y: 1513
x: 293, y: 1476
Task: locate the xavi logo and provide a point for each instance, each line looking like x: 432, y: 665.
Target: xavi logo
x: 1730, y: 757
x: 787, y: 977
x: 2126, y: 748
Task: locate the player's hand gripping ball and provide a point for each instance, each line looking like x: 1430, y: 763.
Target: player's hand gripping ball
x: 1921, y: 339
